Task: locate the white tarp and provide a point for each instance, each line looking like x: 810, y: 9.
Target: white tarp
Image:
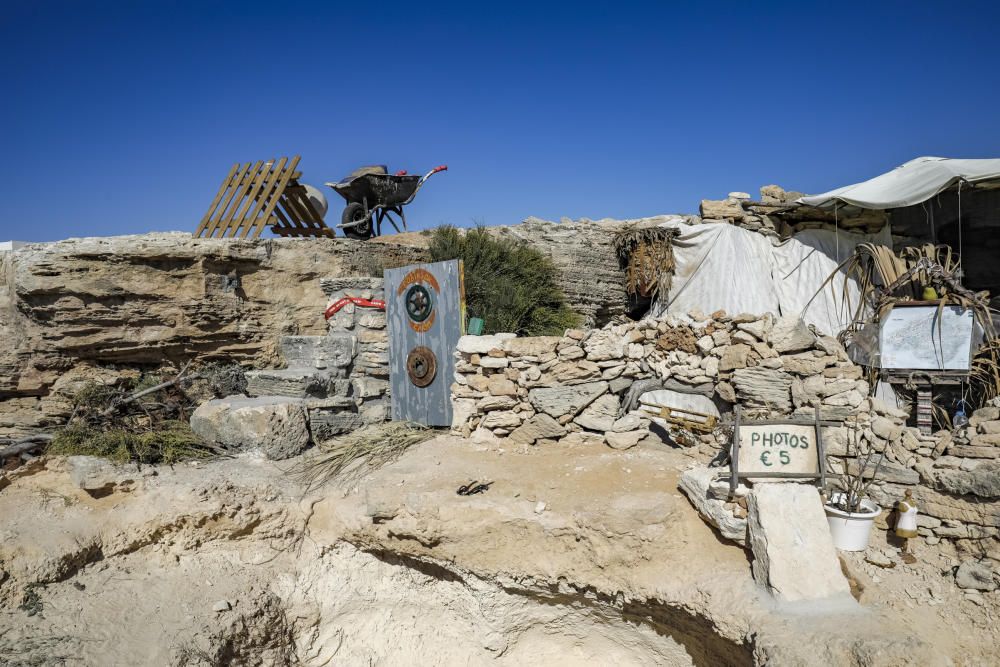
x: 908, y: 184
x: 723, y: 267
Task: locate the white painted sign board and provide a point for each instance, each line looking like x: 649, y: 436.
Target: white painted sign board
x: 928, y: 338
x: 777, y: 449
x: 783, y: 448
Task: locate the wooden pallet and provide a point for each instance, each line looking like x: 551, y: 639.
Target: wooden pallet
x: 262, y: 194
x: 689, y: 419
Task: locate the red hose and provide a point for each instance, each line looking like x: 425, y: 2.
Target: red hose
x: 357, y: 301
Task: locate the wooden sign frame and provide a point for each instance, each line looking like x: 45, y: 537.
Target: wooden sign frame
x: 734, y: 457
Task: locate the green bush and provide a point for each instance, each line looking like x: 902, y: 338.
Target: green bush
x: 508, y: 284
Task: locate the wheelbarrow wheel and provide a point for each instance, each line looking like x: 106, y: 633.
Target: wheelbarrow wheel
x: 355, y: 212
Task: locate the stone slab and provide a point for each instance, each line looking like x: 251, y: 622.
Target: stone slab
x: 794, y: 556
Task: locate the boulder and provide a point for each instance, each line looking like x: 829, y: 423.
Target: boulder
x: 793, y: 553
x: 975, y: 575
x: 696, y: 483
x: 600, y: 415
x: 275, y: 425
x: 560, y: 401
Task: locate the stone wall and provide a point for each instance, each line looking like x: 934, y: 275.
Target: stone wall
x: 531, y: 391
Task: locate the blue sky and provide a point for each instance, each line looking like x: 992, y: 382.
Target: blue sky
x: 123, y: 117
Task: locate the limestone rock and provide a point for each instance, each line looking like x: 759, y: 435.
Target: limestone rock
x: 533, y: 346
x: 498, y: 385
x: 733, y: 357
x: 975, y: 575
x: 481, y: 344
x: 501, y: 419
x: 624, y: 440
x: 335, y: 350
x: 696, y: 483
x: 790, y: 334
x: 560, y: 401
x: 982, y: 481
x: 537, y: 428
x: 496, y: 403
x: 275, y: 425
x: 98, y: 476
x: 296, y: 383
x: 722, y: 209
x: 762, y: 387
x: 793, y: 552
x: 600, y: 415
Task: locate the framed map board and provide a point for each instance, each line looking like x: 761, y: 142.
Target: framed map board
x: 926, y: 337
x: 777, y: 449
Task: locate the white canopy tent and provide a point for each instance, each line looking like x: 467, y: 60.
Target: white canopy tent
x: 908, y: 184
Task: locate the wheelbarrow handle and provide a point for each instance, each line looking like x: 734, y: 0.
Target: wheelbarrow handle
x: 443, y: 167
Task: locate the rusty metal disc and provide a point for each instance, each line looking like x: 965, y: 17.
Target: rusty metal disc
x: 421, y: 366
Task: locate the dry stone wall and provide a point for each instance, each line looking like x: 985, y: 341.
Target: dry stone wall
x: 576, y: 388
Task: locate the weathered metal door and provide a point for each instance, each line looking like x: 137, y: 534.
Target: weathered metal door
x: 425, y: 306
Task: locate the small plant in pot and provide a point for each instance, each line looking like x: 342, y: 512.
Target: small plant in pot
x: 850, y: 512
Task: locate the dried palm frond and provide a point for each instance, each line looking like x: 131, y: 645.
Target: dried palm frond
x: 646, y: 255
x: 352, y: 456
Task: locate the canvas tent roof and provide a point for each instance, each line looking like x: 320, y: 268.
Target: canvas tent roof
x: 911, y: 183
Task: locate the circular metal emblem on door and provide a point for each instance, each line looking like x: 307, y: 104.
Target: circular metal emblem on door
x: 421, y: 366
x: 418, y: 303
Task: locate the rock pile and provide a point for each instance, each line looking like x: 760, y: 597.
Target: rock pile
x: 330, y: 385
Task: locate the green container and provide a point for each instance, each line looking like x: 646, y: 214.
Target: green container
x: 475, y: 326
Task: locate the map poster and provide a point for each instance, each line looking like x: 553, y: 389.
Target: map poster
x: 927, y: 338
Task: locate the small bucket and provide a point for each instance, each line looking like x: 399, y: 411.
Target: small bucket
x: 851, y: 531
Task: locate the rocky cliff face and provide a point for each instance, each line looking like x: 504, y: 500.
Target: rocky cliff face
x: 74, y: 309
x: 582, y: 251
x: 70, y: 307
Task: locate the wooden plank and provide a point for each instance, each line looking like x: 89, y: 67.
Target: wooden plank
x: 246, y: 219
x: 237, y: 200
x: 301, y: 214
x: 234, y: 186
x: 215, y: 202
x: 276, y: 187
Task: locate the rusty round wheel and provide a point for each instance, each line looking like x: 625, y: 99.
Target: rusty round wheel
x: 421, y: 365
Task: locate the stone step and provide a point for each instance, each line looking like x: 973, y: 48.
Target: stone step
x: 335, y: 350
x: 297, y: 383
x: 332, y: 416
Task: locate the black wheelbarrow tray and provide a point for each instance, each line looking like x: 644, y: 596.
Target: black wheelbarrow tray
x: 373, y: 194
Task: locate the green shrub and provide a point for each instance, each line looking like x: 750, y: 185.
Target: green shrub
x: 508, y: 284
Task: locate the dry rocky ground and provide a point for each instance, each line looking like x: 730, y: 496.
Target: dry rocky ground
x: 577, y: 554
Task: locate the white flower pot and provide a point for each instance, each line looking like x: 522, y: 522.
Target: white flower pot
x: 851, y: 530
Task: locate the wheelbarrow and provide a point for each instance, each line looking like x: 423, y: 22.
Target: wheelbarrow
x: 374, y: 195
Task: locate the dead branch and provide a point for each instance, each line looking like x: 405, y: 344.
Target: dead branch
x: 131, y: 398
x: 25, y: 445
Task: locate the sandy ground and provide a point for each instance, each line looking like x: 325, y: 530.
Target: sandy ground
x: 573, y: 556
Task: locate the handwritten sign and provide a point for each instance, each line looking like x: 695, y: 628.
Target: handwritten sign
x: 770, y: 448
x: 776, y: 449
